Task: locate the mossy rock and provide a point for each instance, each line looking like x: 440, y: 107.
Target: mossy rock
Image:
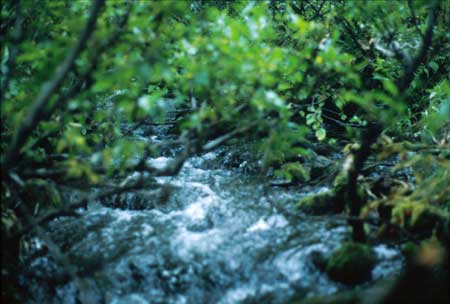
x: 320, y: 166
x: 318, y: 260
x: 332, y: 201
x: 293, y: 172
x: 351, y: 264
x: 328, y: 202
x: 321, y: 203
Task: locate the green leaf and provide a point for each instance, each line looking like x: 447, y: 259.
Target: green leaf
x: 434, y: 66
x: 321, y: 134
x: 390, y: 87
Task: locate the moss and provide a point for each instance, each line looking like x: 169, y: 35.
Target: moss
x: 409, y: 251
x: 420, y: 218
x: 321, y: 203
x: 351, y: 264
x: 321, y: 166
x: 329, y: 202
x: 294, y: 171
x: 334, y: 200
x: 340, y: 182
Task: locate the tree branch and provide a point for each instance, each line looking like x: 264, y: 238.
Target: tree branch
x: 16, y: 36
x: 370, y: 135
x: 414, y: 17
x: 62, y: 259
x: 37, y: 109
x: 172, y: 168
x: 68, y: 210
x: 410, y: 70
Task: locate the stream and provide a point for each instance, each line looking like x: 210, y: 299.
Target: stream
x: 216, y: 233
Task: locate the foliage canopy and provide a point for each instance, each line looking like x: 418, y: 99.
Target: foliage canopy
x: 76, y: 76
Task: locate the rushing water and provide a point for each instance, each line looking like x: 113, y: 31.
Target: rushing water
x: 220, y: 235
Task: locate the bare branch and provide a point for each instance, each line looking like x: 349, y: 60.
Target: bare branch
x: 224, y: 138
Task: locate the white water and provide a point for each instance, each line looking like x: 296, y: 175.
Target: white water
x: 218, y: 239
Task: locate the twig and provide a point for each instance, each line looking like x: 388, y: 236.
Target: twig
x: 341, y: 123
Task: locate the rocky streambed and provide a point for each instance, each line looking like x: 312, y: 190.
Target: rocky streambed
x: 218, y: 232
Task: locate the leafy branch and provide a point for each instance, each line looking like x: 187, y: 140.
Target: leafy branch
x: 48, y: 89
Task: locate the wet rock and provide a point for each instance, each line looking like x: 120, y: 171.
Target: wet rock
x: 65, y: 235
x: 351, y: 264
x: 296, y: 172
x: 318, y: 260
x: 136, y: 273
x: 340, y: 298
x: 89, y: 292
x: 139, y: 200
x: 243, y: 157
x: 322, y: 203
x: 321, y: 166
x: 330, y: 201
x: 372, y: 294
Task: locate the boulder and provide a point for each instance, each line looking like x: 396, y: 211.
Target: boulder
x: 351, y: 264
x: 317, y: 204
